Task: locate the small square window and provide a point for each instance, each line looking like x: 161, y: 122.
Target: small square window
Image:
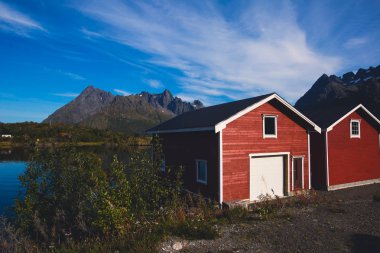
x: 355, y: 129
x: 202, y: 171
x: 270, y: 126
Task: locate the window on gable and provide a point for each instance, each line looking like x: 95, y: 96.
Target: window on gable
x: 355, y: 128
x: 202, y: 171
x: 270, y: 126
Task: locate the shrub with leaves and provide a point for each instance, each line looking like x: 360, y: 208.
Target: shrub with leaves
x: 70, y: 197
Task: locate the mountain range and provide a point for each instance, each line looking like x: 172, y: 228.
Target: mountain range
x: 349, y: 90
x: 131, y: 114
x: 134, y: 114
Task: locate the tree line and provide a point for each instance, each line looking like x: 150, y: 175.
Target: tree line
x: 31, y: 133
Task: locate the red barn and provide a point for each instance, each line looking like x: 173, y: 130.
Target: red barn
x: 240, y: 150
x: 347, y: 152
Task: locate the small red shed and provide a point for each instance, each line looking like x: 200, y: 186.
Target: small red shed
x: 347, y: 152
x: 240, y: 150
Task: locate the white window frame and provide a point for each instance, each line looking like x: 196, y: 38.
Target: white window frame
x: 302, y: 170
x: 355, y: 135
x: 198, y: 179
x: 275, y: 126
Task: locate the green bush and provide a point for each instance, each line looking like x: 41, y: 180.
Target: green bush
x: 70, y: 197
x: 72, y: 203
x: 61, y: 195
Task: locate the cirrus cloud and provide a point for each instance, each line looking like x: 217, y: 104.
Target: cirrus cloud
x: 155, y: 84
x: 257, y: 51
x: 355, y: 42
x: 67, y: 94
x: 122, y: 92
x: 14, y: 21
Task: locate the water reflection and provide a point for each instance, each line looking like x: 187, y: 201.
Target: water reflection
x: 9, y: 184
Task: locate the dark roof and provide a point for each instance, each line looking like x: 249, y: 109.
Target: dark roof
x: 208, y: 116
x: 325, y: 117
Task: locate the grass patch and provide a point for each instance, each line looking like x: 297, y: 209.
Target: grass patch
x: 233, y: 215
x: 193, y: 230
x: 139, y: 242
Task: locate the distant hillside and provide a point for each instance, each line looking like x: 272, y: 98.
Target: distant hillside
x: 129, y: 114
x: 349, y: 89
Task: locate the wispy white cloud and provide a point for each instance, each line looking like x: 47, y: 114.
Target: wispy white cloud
x: 356, y: 42
x: 155, y: 84
x: 122, y: 92
x: 72, y: 75
x: 14, y: 21
x: 90, y: 34
x: 260, y: 50
x: 66, y: 94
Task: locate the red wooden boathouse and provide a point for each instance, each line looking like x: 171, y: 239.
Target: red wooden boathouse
x: 347, y: 152
x: 241, y: 150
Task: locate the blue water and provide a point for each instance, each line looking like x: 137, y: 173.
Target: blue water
x: 9, y: 184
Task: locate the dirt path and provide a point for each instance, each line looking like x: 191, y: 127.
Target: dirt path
x: 344, y: 221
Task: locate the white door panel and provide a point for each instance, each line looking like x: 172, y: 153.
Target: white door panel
x: 266, y: 176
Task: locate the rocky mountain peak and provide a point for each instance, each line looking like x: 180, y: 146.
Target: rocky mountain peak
x: 361, y: 75
x: 328, y: 91
x: 197, y: 104
x: 88, y: 89
x: 167, y: 93
x: 165, y: 98
x: 95, y: 94
x: 98, y: 108
x: 348, y: 77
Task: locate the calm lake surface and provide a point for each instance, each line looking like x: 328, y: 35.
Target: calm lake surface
x: 9, y: 183
x: 14, y: 162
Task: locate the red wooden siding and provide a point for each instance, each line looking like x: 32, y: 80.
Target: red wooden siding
x: 353, y: 159
x: 244, y: 136
x: 182, y: 149
x: 318, y: 160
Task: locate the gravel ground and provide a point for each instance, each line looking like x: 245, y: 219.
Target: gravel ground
x: 343, y: 221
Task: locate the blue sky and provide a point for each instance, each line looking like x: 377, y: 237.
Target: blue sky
x: 215, y: 51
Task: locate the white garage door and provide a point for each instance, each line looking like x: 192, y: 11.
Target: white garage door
x: 266, y: 176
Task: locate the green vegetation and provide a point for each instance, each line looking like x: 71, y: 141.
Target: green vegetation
x: 71, y: 204
x: 276, y: 207
x: 31, y: 134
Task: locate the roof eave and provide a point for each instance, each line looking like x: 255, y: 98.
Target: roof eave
x: 221, y: 125
x: 331, y: 127
x: 183, y: 130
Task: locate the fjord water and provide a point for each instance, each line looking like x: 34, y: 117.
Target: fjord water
x: 9, y: 183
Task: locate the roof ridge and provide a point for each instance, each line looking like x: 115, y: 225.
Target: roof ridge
x: 236, y: 101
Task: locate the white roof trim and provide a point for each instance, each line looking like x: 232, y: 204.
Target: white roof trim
x: 182, y: 130
x: 221, y: 125
x: 346, y: 115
